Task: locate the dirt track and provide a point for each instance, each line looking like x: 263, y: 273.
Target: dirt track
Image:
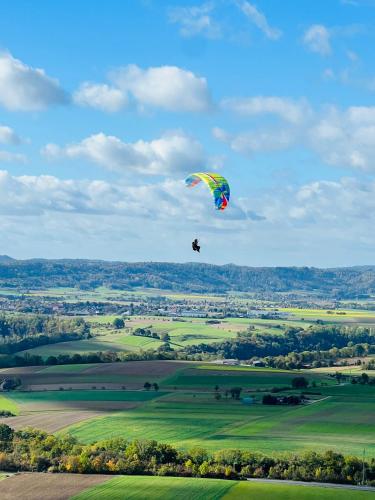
x: 40, y: 486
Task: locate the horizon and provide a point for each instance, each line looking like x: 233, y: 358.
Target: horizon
x: 355, y: 266
x: 98, y: 133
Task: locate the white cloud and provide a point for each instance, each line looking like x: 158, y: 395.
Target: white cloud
x: 333, y: 203
x: 164, y: 201
x: 173, y: 153
x: 288, y: 109
x: 259, y: 19
x: 8, y: 136
x: 100, y: 96
x: 257, y: 141
x: 343, y: 138
x: 23, y: 88
x: 167, y: 87
x: 319, y: 223
x: 196, y: 20
x: 346, y: 138
x: 317, y: 39
x: 7, y: 157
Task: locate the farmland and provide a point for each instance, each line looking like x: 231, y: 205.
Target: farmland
x: 97, y: 487
x: 184, y: 412
x: 211, y: 489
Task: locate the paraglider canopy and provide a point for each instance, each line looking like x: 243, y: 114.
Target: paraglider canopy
x: 217, y: 184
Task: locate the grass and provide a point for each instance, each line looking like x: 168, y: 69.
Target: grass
x: 217, y: 425
x: 75, y: 395
x: 207, y: 377
x: 177, y: 488
x: 267, y: 491
x: 9, y: 405
x: 167, y: 488
x: 340, y: 418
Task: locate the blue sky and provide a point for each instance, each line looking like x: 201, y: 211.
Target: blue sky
x: 105, y: 108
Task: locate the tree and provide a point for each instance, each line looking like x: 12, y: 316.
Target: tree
x: 147, y: 386
x: 300, y: 383
x: 155, y: 386
x: 6, y: 434
x: 165, y: 337
x: 268, y: 399
x: 236, y: 392
x: 118, y: 323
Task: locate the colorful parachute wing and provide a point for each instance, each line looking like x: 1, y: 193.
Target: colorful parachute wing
x: 216, y: 183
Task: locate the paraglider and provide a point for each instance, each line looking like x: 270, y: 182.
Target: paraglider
x: 216, y: 183
x: 195, y: 246
x: 219, y: 188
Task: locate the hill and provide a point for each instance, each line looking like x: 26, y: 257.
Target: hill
x: 351, y: 282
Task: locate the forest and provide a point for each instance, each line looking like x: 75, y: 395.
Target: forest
x: 338, y: 283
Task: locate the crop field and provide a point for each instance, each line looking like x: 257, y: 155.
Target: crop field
x: 333, y: 316
x: 8, y: 405
x: 337, y: 417
x: 38, y: 486
x: 205, y: 377
x: 132, y: 375
x: 186, y: 413
x: 175, y: 488
x: 64, y: 396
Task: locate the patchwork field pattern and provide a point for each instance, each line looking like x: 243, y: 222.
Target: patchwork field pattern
x: 337, y: 417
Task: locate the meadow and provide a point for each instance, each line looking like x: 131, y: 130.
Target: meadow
x: 175, y: 488
x: 184, y: 411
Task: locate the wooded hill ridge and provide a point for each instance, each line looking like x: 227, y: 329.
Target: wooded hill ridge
x: 349, y: 282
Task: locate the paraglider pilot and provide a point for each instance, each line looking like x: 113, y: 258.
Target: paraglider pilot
x: 195, y: 246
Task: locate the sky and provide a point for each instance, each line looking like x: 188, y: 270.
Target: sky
x: 106, y: 107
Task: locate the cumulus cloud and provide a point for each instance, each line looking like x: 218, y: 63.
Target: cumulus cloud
x: 196, y: 20
x: 100, y: 96
x: 37, y: 195
x: 173, y: 153
x: 346, y: 138
x: 287, y: 109
x: 259, y: 19
x: 8, y: 136
x: 169, y: 88
x: 69, y: 213
x: 23, y: 88
x: 257, y: 141
x: 335, y: 203
x: 317, y: 38
x: 343, y: 138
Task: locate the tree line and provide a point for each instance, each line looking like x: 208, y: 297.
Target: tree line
x: 18, y: 333
x: 34, y: 274
x: 36, y: 451
x: 251, y: 344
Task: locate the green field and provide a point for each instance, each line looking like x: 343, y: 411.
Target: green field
x: 338, y: 417
x: 206, y: 377
x: 9, y: 405
x: 92, y: 395
x: 175, y: 488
